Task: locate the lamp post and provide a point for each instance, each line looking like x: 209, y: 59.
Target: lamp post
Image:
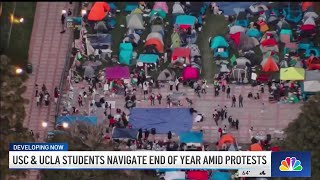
x: 65, y: 125
x: 11, y: 18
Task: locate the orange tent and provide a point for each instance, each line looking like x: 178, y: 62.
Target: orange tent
x: 306, y: 5
x: 98, y: 11
x: 227, y: 138
x: 270, y: 65
x: 256, y: 147
x: 156, y: 42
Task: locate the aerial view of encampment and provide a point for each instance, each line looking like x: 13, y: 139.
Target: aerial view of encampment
x: 227, y: 81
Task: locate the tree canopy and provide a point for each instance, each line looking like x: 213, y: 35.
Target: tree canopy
x: 303, y: 133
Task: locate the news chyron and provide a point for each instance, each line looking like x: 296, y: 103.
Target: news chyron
x: 247, y: 163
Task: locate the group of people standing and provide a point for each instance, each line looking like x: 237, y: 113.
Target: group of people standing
x: 44, y: 96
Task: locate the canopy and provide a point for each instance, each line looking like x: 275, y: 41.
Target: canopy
x: 156, y: 42
x: 166, y: 75
x: 158, y: 12
x: 155, y: 35
x: 161, y: 5
x: 311, y: 86
x: 117, y: 72
x: 220, y: 176
x: 190, y: 73
x: 227, y: 138
x: 218, y: 41
x: 256, y: 147
x: 98, y: 11
x: 253, y: 32
x: 134, y: 21
x: 124, y: 133
x: 191, y: 137
x: 185, y: 20
x: 312, y: 75
x: 181, y: 52
x: 148, y: 58
x: 177, y: 8
x: 292, y: 73
x: 70, y: 119
x: 173, y: 175
x: 235, y: 29
x: 198, y: 175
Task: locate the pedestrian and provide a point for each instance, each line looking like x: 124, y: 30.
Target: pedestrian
x: 237, y: 124
x: 222, y: 114
x: 37, y: 90
x: 262, y: 108
x: 251, y: 133
x: 140, y: 134
x: 169, y: 135
x: 145, y: 89
x: 216, y: 90
x: 85, y: 97
x: 225, y: 112
x: 220, y: 131
x: 224, y: 131
x: 198, y: 88
x: 228, y: 92
x: 216, y: 119
x: 63, y: 19
x: 146, y: 134
x: 80, y: 100
x: 177, y: 82
x: 69, y: 12
x: 189, y: 101
x: 152, y: 97
x: 233, y: 101
x: 159, y: 97
x: 56, y: 95
x: 171, y: 85
x: 46, y: 99
x: 41, y: 96
x: 230, y: 119
x: 223, y: 87
x: 240, y: 101
x: 31, y: 133
x: 203, y: 87
x: 44, y: 88
x: 38, y: 99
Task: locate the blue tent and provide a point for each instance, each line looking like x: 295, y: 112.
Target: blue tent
x: 130, y: 7
x: 191, y: 137
x: 185, y: 20
x: 219, y: 46
x: 148, y: 58
x: 254, y: 33
x: 220, y: 176
x: 313, y: 50
x: 293, y: 13
x: 305, y: 45
x: 125, y: 55
x: 113, y: 6
x: 69, y: 119
x: 242, y: 19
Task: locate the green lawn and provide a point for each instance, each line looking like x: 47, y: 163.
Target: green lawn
x: 20, y: 34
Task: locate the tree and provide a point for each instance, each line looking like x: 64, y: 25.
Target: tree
x: 85, y: 137
x: 303, y: 133
x: 12, y: 114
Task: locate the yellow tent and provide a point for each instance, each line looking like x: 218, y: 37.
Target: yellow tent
x: 292, y: 73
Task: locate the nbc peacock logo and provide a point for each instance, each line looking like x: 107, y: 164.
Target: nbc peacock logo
x: 290, y: 164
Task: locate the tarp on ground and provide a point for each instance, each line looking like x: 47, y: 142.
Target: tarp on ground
x: 135, y: 21
x: 190, y: 73
x: 166, y: 75
x: 292, y: 73
x: 124, y: 133
x: 191, y: 137
x: 311, y: 86
x: 117, y: 72
x: 177, y: 8
x: 218, y: 41
x: 148, y: 58
x: 220, y: 176
x: 98, y: 11
x: 156, y: 42
x: 161, y: 5
x: 312, y: 75
x: 173, y: 175
x: 185, y: 20
x: 70, y: 119
x: 176, y: 120
x: 198, y: 175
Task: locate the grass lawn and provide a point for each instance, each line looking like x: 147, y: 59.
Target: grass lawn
x: 20, y: 34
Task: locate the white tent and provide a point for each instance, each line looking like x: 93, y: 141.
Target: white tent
x: 177, y: 8
x: 311, y: 86
x: 235, y: 29
x: 309, y: 21
x: 195, y: 51
x: 171, y: 175
x: 310, y: 14
x: 155, y: 35
x: 135, y: 21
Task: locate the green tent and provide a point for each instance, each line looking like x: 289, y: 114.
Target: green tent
x: 158, y: 12
x: 292, y: 73
x: 233, y: 60
x: 125, y: 55
x: 175, y: 40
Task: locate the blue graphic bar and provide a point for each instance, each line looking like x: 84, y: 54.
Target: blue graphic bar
x: 291, y: 164
x: 38, y: 147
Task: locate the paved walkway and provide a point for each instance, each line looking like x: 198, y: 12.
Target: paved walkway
x: 47, y: 53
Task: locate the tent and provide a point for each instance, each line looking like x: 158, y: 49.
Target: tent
x: 283, y: 25
x: 181, y: 53
x: 238, y: 70
x: 306, y: 5
x: 148, y: 58
x: 217, y: 175
x: 158, y: 12
x: 312, y: 75
x: 99, y: 11
x: 219, y: 46
x: 313, y: 63
x: 242, y: 61
x: 157, y: 28
x: 71, y: 119
x: 286, y: 35
x: 191, y: 137
x: 263, y: 26
x: 253, y: 32
x: 124, y: 133
x: 175, y: 40
x: 125, y: 54
x: 134, y: 21
x: 234, y: 29
x: 292, y: 73
x: 166, y: 75
x: 313, y: 50
x: 117, y: 72
x: 198, y: 175
x: 242, y: 19
x: 269, y: 64
x: 227, y: 138
x: 269, y: 45
x: 133, y: 38
x: 256, y: 147
x: 156, y: 42
x: 311, y: 14
x: 174, y: 175
x: 161, y: 5
x: 155, y: 35
x: 311, y: 86
x: 305, y: 44
x: 293, y: 13
x: 185, y: 20
x: 190, y: 73
x: 177, y: 8
x: 150, y: 49
x: 130, y: 7
x: 243, y: 42
x: 195, y: 51
x: 272, y: 19
x: 309, y: 21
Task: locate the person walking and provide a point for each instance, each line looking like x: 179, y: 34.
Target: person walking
x: 159, y: 97
x: 41, y: 96
x: 224, y: 131
x: 37, y: 90
x: 233, y: 101
x: 220, y: 131
x: 171, y: 85
x: 56, y: 95
x: 145, y: 89
x: 203, y: 87
x: 152, y: 97
x: 225, y: 112
x: 237, y: 124
x: 228, y: 92
x: 63, y: 19
x: 240, y: 101
x: 43, y: 88
x: 216, y: 118
x: 177, y: 82
x: 80, y: 100
x: 46, y: 99
x: 38, y: 99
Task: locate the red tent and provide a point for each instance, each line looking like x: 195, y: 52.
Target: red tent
x: 190, y: 73
x: 270, y: 65
x: 307, y: 27
x: 198, y: 175
x: 99, y: 11
x: 306, y: 5
x: 181, y: 52
x: 269, y: 42
x: 236, y: 38
x: 275, y: 149
x: 255, y: 147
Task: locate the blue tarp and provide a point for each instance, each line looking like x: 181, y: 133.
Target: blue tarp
x: 176, y: 120
x: 148, y: 58
x: 191, y: 137
x: 70, y: 119
x: 220, y: 176
x: 119, y: 133
x: 185, y: 20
